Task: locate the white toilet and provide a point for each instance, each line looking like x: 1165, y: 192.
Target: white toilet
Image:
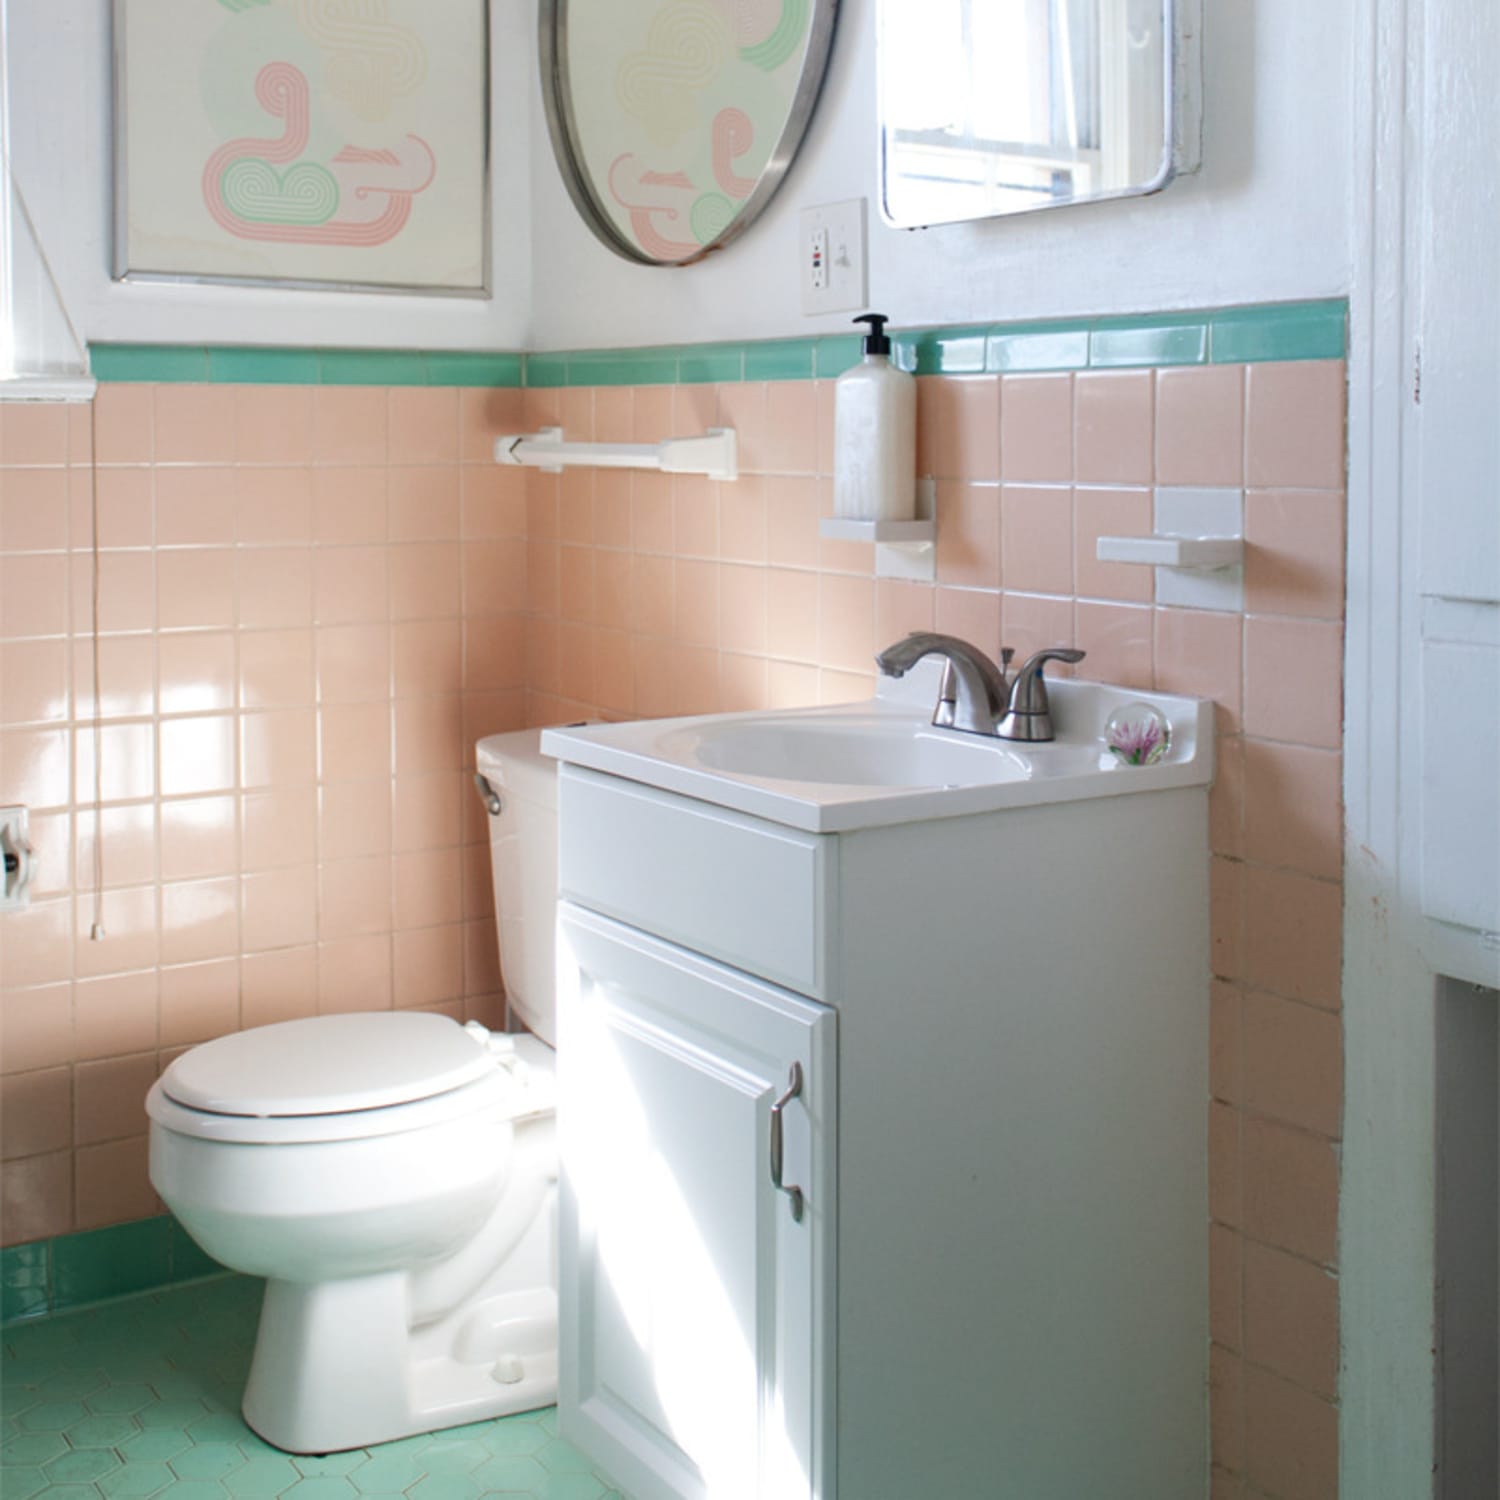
x: 393, y: 1175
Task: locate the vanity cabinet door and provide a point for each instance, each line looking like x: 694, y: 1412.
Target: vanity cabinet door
x: 696, y: 1352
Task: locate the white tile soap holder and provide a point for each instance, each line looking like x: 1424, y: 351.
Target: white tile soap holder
x: 1197, y: 547
x: 1173, y: 551
x: 715, y: 453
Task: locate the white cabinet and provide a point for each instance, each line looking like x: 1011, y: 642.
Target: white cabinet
x: 696, y: 1362
x: 1014, y: 1304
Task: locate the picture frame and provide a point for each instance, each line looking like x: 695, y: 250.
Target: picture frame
x: 329, y: 145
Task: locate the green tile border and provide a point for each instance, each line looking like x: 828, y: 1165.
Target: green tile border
x: 1236, y: 335
x: 48, y: 1276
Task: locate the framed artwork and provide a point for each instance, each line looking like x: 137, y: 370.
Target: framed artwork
x: 335, y: 144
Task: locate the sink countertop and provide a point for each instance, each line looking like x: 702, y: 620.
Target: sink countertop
x: 679, y: 755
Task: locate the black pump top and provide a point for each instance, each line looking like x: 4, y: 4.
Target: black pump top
x: 877, y: 341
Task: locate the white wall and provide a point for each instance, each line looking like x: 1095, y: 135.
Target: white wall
x: 60, y: 119
x: 1266, y: 219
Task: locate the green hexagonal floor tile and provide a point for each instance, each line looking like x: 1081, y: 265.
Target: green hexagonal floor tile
x: 156, y: 1445
x: 445, y: 1487
x: 120, y: 1399
x: 81, y: 1466
x: 172, y: 1414
x: 223, y: 1427
x: 208, y: 1461
x: 71, y: 1385
x: 197, y: 1489
x: 514, y: 1435
x: 382, y: 1472
x: 262, y: 1477
x: 324, y: 1487
x: 31, y: 1448
x: 102, y: 1432
x: 448, y: 1457
x: 513, y: 1472
x: 572, y: 1487
x: 314, y: 1465
x: 22, y: 1483
x: 563, y: 1458
x: 52, y: 1416
x: 136, y: 1481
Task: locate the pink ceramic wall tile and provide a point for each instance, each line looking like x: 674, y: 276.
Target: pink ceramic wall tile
x: 1226, y: 798
x: 1036, y: 539
x: 194, y: 507
x: 792, y: 614
x: 1199, y: 653
x: 484, y: 415
x: 351, y: 585
x: 127, y: 676
x: 424, y: 503
x: 281, y: 985
x: 199, y: 837
x: 793, y: 508
x: 1291, y: 1439
x: 614, y: 413
x: 1293, y: 928
x: 958, y: 427
x: 743, y: 407
x: 743, y: 683
x: 352, y: 663
x: 354, y: 896
x: 38, y: 949
x: 278, y: 908
x: 743, y: 521
x: 1114, y: 431
x: 34, y: 509
x: 124, y: 424
x: 1227, y: 918
x: 651, y: 513
x: 428, y: 965
x: 130, y: 932
x: 355, y: 818
x: 273, y: 424
x: 425, y: 581
x: 1294, y: 1063
x: 492, y: 502
x: 575, y: 507
x: 846, y: 623
x: 1226, y: 1254
x: 1225, y: 1165
x: 194, y: 424
x: 278, y: 827
x: 36, y: 1113
x: 429, y: 734
x: 354, y: 741
x: 278, y: 748
x: 110, y: 1097
x: 791, y: 439
x: 195, y: 589
x: 127, y: 591
x: 126, y: 758
x: 742, y: 608
x: 34, y: 681
x: 33, y: 596
x: 273, y: 507
x: 790, y: 685
x: 1036, y: 429
x: 1110, y: 512
x: 196, y: 755
x: 968, y: 534
x: 350, y: 504
x: 129, y: 843
x: 199, y: 920
x: 121, y: 499
x: 1118, y: 640
x: 1294, y: 556
x: 695, y: 620
x: 276, y: 668
x: 426, y: 812
x: 1200, y: 425
x: 1294, y: 425
x: 350, y: 425
x: 902, y: 607
x: 33, y: 433
x: 575, y: 584
x: 1291, y: 1190
x: 971, y: 614
x: 495, y: 576
x: 1294, y: 808
x: 36, y: 1197
x: 695, y: 517
x: 423, y: 425
x: 115, y: 1015
x: 1226, y: 1042
x: 428, y: 886
x: 1293, y: 680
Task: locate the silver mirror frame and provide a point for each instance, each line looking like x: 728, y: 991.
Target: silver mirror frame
x: 552, y: 28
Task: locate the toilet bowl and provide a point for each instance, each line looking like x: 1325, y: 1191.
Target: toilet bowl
x: 393, y: 1176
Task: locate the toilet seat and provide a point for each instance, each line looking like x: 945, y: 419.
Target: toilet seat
x: 349, y: 1077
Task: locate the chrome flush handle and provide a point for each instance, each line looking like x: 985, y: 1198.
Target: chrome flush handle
x: 793, y: 1090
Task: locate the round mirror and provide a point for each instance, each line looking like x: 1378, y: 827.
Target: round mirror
x: 674, y: 121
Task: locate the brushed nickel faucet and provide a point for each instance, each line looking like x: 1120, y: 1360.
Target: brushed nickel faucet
x: 975, y: 695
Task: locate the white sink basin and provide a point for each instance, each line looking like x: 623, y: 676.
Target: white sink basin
x: 863, y: 765
x: 871, y: 750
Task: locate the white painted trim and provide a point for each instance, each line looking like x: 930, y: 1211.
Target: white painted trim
x: 1386, y: 1201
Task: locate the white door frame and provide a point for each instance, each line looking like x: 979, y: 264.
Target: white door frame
x: 1387, y: 1199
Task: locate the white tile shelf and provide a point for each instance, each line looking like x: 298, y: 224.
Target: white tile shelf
x: 838, y: 529
x: 1173, y: 551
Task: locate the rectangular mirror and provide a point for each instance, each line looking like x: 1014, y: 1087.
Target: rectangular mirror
x: 992, y: 107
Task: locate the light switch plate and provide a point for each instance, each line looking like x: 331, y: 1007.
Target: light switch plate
x: 832, y: 258
x: 15, y: 847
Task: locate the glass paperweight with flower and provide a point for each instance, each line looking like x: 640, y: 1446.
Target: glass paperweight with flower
x: 1136, y: 735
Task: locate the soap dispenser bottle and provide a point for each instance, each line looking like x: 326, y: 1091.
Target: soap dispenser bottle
x: 875, y: 435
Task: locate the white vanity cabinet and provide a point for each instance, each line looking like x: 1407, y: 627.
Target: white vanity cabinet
x: 997, y: 1286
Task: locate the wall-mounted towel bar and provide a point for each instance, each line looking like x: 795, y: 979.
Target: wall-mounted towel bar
x: 715, y: 454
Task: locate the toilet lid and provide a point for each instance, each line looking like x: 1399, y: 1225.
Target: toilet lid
x: 328, y: 1065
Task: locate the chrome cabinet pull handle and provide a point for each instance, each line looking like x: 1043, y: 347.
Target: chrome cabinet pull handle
x: 793, y: 1090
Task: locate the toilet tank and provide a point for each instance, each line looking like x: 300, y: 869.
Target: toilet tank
x: 523, y: 860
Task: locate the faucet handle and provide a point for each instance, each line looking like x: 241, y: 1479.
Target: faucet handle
x: 1029, y: 716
